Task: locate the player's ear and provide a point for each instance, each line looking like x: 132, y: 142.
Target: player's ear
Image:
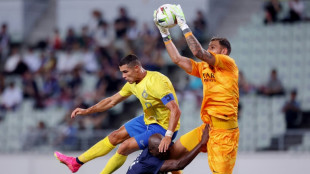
x: 136, y: 68
x: 224, y: 51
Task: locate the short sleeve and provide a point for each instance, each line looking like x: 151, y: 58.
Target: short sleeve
x: 163, y: 87
x: 195, y: 68
x: 224, y: 62
x: 126, y: 90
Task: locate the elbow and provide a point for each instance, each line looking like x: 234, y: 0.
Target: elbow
x: 111, y: 103
x: 176, y: 59
x: 180, y: 166
x: 178, y: 114
x: 197, y: 53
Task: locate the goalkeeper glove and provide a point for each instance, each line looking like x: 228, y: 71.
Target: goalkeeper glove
x: 177, y: 10
x: 163, y: 31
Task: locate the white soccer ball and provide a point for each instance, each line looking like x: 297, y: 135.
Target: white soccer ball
x: 165, y: 17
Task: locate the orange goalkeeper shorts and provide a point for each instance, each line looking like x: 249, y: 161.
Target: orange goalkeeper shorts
x: 222, y: 147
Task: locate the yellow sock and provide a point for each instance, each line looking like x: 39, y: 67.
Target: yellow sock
x: 115, y: 162
x: 101, y: 148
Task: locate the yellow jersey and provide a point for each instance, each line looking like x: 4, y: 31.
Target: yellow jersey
x: 220, y: 88
x: 151, y: 90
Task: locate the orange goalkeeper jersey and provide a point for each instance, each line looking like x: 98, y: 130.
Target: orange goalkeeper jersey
x: 220, y: 87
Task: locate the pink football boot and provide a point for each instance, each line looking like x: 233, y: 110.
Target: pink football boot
x: 68, y: 161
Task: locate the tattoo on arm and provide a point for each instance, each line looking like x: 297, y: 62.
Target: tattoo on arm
x: 197, y: 49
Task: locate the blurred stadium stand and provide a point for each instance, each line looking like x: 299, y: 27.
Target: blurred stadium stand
x: 256, y: 48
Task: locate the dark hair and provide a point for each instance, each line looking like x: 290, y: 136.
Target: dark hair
x: 294, y: 92
x: 130, y: 60
x: 223, y: 42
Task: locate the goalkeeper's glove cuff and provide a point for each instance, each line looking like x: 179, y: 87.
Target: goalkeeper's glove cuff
x: 186, y: 30
x: 164, y: 35
x: 167, y: 38
x: 184, y: 27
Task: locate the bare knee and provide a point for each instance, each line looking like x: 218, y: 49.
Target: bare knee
x: 118, y: 136
x: 127, y: 147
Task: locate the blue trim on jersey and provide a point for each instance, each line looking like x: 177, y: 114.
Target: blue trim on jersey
x: 167, y: 98
x: 137, y: 128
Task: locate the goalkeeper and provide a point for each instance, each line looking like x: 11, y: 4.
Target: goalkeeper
x: 219, y: 108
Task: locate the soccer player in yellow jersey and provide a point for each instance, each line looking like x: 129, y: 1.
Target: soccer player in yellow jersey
x: 161, y: 115
x: 219, y: 108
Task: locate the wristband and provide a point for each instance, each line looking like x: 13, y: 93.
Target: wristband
x: 169, y: 133
x: 187, y: 30
x: 184, y: 27
x: 167, y: 38
x: 167, y: 42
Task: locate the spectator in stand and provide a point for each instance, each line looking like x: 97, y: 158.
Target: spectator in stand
x: 133, y: 35
x: 273, y: 87
x: 36, y: 136
x: 70, y: 38
x: 2, y: 87
x: 2, y: 82
x: 14, y: 63
x: 30, y: 89
x: 111, y: 80
x: 49, y: 63
x: 75, y: 81
x: 200, y: 27
x: 90, y: 61
x: 296, y: 11
x: 103, y: 40
x: 68, y: 61
x: 11, y: 97
x: 56, y: 41
x: 5, y: 41
x: 272, y: 8
x: 292, y: 112
x: 151, y: 61
x: 66, y: 97
x: 121, y: 23
x: 67, y: 137
x: 32, y: 60
x: 85, y: 39
x: 51, y: 88
x: 244, y: 86
x: 94, y: 22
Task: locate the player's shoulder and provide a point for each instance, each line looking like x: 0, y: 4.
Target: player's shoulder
x: 226, y: 57
x: 157, y: 76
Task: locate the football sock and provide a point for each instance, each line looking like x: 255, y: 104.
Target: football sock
x: 115, y: 162
x: 101, y: 148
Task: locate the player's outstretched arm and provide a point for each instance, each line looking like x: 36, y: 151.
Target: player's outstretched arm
x: 101, y: 106
x: 191, y: 40
x: 180, y: 164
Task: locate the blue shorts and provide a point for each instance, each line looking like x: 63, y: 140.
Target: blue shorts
x: 137, y: 128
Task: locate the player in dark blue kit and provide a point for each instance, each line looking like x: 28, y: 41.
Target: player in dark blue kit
x: 151, y: 161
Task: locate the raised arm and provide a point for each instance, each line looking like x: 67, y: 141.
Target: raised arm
x: 191, y: 40
x: 101, y: 106
x: 182, y: 62
x: 180, y: 164
x: 197, y: 49
x: 175, y: 113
